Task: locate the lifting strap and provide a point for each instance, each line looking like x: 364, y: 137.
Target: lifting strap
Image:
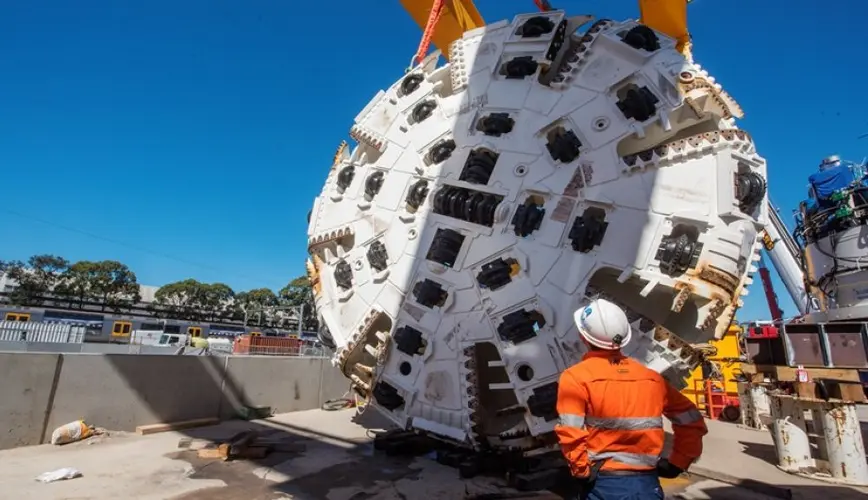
x: 543, y: 5
x: 433, y: 17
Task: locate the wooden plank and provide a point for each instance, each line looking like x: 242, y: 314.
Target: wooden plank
x: 210, y: 453
x: 815, y: 401
x: 144, y: 430
x: 788, y: 373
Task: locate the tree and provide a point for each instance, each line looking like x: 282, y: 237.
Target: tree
x: 76, y: 284
x: 109, y: 283
x: 296, y: 293
x: 181, y: 299
x: 215, y: 300
x: 37, y: 279
x: 257, y: 306
x: 114, y: 285
x: 196, y: 301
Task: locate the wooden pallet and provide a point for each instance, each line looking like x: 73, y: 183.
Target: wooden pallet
x: 826, y: 384
x: 789, y: 374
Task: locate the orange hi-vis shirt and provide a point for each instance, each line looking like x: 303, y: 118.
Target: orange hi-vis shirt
x: 611, y: 407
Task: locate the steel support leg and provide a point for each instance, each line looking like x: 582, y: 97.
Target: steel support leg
x: 790, y: 435
x: 844, y: 446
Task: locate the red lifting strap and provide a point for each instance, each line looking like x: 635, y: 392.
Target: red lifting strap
x: 433, y: 17
x: 543, y: 5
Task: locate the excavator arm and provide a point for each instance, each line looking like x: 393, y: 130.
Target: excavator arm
x: 666, y: 16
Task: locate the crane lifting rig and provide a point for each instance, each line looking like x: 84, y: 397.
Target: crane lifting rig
x: 453, y: 18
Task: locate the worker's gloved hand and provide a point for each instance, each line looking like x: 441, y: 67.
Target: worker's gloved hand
x: 668, y: 471
x: 586, y: 483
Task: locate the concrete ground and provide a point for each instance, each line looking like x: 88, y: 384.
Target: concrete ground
x: 324, y: 455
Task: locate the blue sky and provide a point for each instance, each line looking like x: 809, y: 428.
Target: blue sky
x: 188, y: 138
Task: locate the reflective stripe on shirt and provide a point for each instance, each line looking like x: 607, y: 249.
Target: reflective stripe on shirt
x: 626, y: 423
x: 611, y: 423
x: 636, y: 459
x: 568, y: 420
x: 686, y: 418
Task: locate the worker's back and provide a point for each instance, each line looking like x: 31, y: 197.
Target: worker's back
x: 624, y: 407
x: 619, y: 404
x: 620, y: 386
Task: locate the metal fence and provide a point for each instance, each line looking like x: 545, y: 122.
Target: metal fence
x: 32, y: 331
x: 302, y: 349
x: 100, y: 348
x: 34, y: 336
x: 87, y: 348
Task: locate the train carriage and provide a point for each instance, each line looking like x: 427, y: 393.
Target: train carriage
x: 118, y: 328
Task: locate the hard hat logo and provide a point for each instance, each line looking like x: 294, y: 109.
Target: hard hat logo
x: 603, y: 324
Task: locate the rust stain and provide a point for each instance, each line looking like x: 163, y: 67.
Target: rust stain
x: 840, y: 419
x: 576, y: 183
x: 681, y: 297
x: 339, y: 154
x: 651, y: 156
x: 313, y: 266
x: 691, y: 88
x: 588, y: 172
x: 562, y: 211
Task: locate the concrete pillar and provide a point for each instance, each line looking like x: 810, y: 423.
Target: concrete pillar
x: 790, y: 434
x: 844, y: 446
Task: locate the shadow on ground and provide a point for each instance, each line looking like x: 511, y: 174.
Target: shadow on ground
x: 761, y: 451
x: 752, y: 490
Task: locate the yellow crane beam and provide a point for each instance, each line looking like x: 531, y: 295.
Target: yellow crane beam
x: 666, y: 16
x: 458, y: 17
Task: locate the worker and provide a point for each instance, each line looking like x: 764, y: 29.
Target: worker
x: 830, y: 162
x: 611, y: 410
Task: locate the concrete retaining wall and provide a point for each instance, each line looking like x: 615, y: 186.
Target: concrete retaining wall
x: 26, y: 388
x: 41, y: 391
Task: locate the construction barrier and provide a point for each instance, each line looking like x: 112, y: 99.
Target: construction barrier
x: 29, y: 331
x: 42, y: 391
x: 276, y: 346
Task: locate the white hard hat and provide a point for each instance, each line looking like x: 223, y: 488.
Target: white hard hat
x: 603, y: 324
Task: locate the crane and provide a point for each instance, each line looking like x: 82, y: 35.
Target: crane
x: 786, y: 259
x: 454, y: 17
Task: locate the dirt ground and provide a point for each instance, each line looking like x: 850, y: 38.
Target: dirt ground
x: 320, y: 456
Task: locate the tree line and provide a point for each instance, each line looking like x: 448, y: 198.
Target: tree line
x: 108, y: 285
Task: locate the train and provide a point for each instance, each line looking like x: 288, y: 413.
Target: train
x: 118, y: 328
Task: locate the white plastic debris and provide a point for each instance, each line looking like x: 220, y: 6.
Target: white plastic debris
x: 59, y: 475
